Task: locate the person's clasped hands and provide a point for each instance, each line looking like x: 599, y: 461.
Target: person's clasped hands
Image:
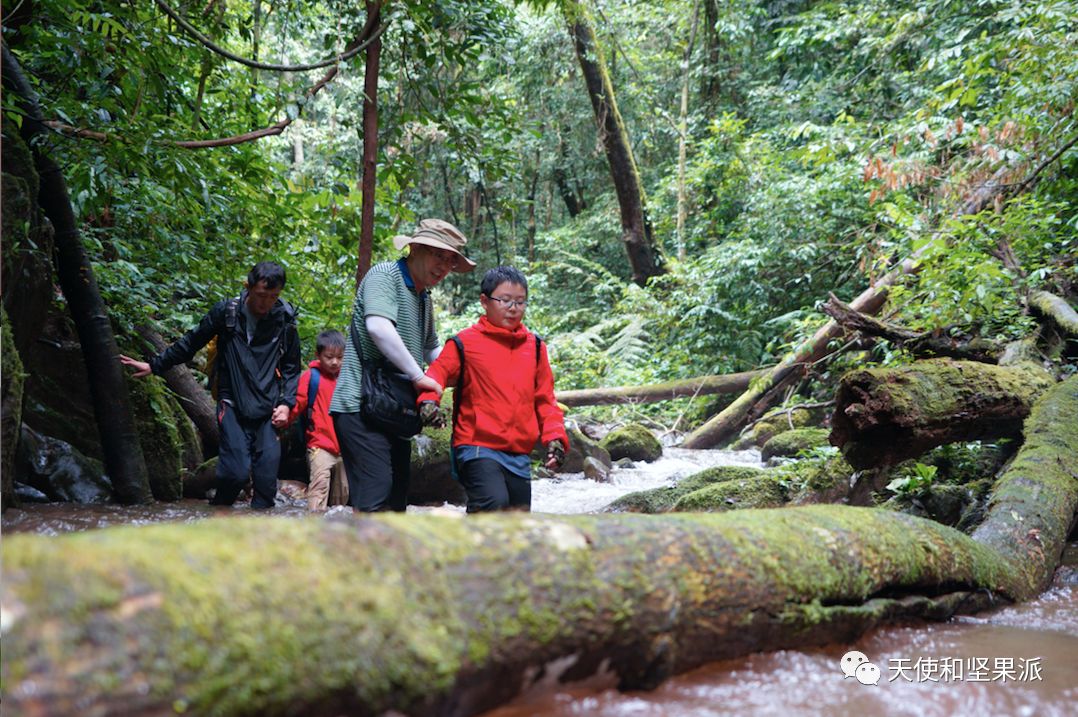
x: 432, y: 414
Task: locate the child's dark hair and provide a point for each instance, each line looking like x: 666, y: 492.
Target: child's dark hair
x: 499, y: 275
x: 329, y: 339
x: 268, y: 271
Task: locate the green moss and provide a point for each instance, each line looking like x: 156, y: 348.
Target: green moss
x: 632, y: 441
x: 157, y: 416
x: 766, y: 491
x: 790, y: 443
x: 660, y: 500
x: 13, y: 382
x: 772, y: 424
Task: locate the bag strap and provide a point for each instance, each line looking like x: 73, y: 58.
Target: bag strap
x: 312, y: 395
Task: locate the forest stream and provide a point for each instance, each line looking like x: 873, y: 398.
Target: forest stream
x: 1018, y: 660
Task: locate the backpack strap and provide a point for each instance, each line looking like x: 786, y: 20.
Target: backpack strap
x: 312, y: 393
x: 460, y: 380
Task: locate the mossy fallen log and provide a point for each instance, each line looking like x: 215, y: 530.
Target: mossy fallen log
x: 1033, y: 504
x: 1056, y: 309
x: 430, y: 615
x: 886, y: 415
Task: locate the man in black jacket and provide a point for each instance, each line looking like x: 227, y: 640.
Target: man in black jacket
x: 257, y: 371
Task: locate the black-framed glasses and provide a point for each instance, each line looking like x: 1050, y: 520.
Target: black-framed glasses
x: 510, y: 303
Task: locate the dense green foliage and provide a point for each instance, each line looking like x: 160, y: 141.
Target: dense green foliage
x: 826, y: 141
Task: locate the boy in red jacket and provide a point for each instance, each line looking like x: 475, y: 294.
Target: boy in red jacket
x: 504, y: 398
x: 323, y: 452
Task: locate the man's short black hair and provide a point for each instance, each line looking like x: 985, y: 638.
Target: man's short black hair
x: 268, y: 271
x: 499, y: 275
x: 329, y: 339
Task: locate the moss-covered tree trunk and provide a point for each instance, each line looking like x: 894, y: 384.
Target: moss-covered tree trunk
x: 1034, y: 502
x: 12, y: 379
x: 116, y: 425
x: 196, y: 401
x: 886, y: 415
x: 430, y: 615
x: 635, y: 226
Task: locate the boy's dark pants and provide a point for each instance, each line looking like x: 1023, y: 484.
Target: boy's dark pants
x: 378, y: 466
x: 249, y: 447
x: 490, y: 486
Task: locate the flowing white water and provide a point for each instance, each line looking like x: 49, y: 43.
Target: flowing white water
x: 573, y: 493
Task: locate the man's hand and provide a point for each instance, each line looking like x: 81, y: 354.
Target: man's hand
x: 555, y: 455
x: 280, y: 416
x: 431, y: 414
x: 141, y: 367
x: 426, y: 383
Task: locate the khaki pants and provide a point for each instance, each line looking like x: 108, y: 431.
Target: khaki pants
x: 329, y: 485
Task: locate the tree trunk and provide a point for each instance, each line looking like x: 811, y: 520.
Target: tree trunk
x: 886, y: 415
x: 454, y: 616
x: 644, y: 258
x: 927, y: 344
x: 370, y: 147
x: 120, y: 447
x: 683, y: 135
x: 702, y: 386
x: 449, y: 616
x: 196, y: 401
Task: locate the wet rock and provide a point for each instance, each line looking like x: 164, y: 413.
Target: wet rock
x: 632, y: 441
x: 432, y: 479
x: 624, y: 464
x: 199, y: 482
x: 596, y: 470
x: 776, y: 422
x: 660, y: 500
x: 765, y: 491
x: 59, y: 471
x: 28, y: 494
x: 790, y: 443
x: 581, y: 447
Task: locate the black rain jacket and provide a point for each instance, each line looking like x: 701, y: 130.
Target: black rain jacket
x: 255, y: 378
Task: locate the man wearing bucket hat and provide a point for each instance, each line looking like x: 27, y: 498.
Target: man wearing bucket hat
x: 392, y: 322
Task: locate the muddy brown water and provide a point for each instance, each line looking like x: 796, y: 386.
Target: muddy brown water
x: 1018, y: 660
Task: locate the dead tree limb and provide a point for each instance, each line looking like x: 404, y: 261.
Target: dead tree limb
x: 924, y: 344
x: 703, y: 386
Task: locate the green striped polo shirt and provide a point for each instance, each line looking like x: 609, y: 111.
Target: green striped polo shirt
x: 387, y: 290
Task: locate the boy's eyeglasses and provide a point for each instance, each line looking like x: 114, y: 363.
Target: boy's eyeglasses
x: 510, y: 303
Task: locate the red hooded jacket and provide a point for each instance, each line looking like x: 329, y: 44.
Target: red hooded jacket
x: 508, y: 396
x: 320, y: 433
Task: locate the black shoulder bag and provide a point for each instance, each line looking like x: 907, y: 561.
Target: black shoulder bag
x: 387, y: 399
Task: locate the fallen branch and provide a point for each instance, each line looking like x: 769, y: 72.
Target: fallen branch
x: 926, y: 344
x: 703, y: 386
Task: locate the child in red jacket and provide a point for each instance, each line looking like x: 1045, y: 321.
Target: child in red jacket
x: 328, y: 480
x: 504, y: 398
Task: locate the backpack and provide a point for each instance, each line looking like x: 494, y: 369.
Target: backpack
x: 213, y: 348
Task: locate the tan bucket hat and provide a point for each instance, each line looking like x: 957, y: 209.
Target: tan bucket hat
x: 441, y: 235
